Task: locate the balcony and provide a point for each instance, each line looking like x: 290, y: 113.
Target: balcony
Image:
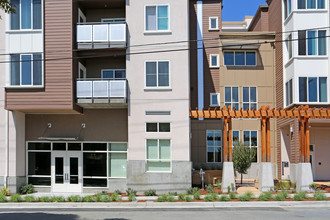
x: 102, y: 93
x: 91, y: 35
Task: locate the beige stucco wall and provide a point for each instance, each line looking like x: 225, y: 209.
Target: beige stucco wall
x: 260, y: 76
x: 176, y: 98
x: 101, y: 125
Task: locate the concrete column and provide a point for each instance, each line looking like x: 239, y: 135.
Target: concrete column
x: 266, y: 179
x: 304, y: 176
x: 228, y: 177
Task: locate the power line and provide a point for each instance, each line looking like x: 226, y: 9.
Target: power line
x: 178, y: 42
x: 162, y: 51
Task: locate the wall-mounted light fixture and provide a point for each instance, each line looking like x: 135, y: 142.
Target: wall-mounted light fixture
x: 83, y: 125
x: 49, y: 125
x: 291, y: 132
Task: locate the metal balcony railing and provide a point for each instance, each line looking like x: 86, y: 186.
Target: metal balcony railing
x: 101, y: 88
x: 101, y: 35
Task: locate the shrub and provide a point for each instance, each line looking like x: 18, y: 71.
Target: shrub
x: 320, y: 196
x: 197, y: 196
x: 281, y: 196
x: 115, y: 197
x: 232, y: 187
x: 132, y: 197
x: 287, y: 185
x: 242, y: 158
x: 192, y: 191
x: 98, y: 197
x: 232, y: 195
x: 5, y: 191
x: 265, y: 196
x: 162, y: 198
x: 58, y: 199
x: 172, y: 193
x: 170, y: 198
x: 27, y: 189
x: 75, y: 198
x: 300, y: 196
x: 188, y: 199
x: 150, y: 192
x: 246, y: 196
x: 210, y: 189
x: 223, y: 198
x: 228, y: 189
x: 208, y: 198
x: 130, y: 191
x: 181, y: 196
x: 3, y: 198
x: 117, y: 191
x: 45, y: 199
x: 89, y: 199
x: 313, y: 186
x: 218, y: 184
x: 29, y: 199
x: 15, y: 198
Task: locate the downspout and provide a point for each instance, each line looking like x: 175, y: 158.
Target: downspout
x: 7, y: 151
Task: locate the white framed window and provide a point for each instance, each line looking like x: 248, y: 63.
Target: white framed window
x: 232, y: 97
x: 113, y: 73
x: 313, y: 89
x: 213, y: 146
x: 250, y: 139
x: 289, y: 46
x: 250, y: 98
x: 289, y: 92
x: 157, y: 74
x: 240, y: 58
x: 213, y: 23
x: 311, y: 4
x: 26, y: 70
x: 215, y: 99
x: 28, y: 15
x: 287, y: 8
x: 158, y: 127
x: 214, y: 60
x: 158, y: 155
x: 312, y: 43
x: 157, y: 18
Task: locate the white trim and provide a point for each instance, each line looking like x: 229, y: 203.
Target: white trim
x: 218, y: 98
x: 217, y: 24
x: 168, y: 17
x: 157, y: 86
x: 217, y: 56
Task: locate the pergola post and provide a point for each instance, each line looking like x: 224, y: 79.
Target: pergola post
x: 307, y: 141
x: 230, y: 128
x: 225, y: 147
x: 263, y: 140
x: 268, y: 153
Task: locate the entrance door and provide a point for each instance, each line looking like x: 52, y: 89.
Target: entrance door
x: 66, y: 171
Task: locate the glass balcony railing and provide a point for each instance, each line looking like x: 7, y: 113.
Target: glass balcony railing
x: 101, y: 35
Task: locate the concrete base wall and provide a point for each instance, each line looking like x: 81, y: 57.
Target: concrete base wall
x: 177, y: 181
x: 14, y: 183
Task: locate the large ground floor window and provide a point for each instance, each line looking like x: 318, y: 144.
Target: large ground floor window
x: 101, y: 161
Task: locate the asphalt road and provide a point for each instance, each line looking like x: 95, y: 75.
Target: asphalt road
x: 173, y: 214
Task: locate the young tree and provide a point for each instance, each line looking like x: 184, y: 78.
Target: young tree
x: 242, y: 158
x: 7, y: 6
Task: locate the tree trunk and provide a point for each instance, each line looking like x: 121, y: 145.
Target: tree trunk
x: 241, y: 178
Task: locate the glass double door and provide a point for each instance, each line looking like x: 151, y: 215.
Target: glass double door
x: 66, y: 171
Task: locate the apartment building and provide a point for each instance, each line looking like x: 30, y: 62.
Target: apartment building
x: 92, y: 105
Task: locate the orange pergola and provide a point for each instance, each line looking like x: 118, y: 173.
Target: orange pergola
x: 303, y: 113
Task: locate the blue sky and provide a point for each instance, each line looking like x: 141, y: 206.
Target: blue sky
x: 236, y: 10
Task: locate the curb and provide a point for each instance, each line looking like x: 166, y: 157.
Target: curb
x: 165, y: 205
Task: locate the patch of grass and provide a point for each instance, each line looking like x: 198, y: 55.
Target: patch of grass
x: 188, y: 199
x: 130, y: 191
x: 281, y: 196
x: 223, y: 198
x: 172, y: 193
x: 197, y: 196
x: 192, y: 191
x: 300, y: 196
x: 16, y: 198
x: 89, y: 199
x: 232, y: 195
x: 162, y: 198
x: 75, y: 198
x: 45, y: 199
x: 208, y: 198
x: 265, y: 196
x: 58, y: 199
x: 150, y: 192
x: 115, y: 197
x: 98, y: 197
x: 181, y: 196
x: 246, y: 196
x: 29, y: 199
x: 106, y: 198
x: 132, y: 197
x: 3, y: 198
x: 170, y: 198
x: 5, y: 191
x: 320, y: 196
x: 210, y: 189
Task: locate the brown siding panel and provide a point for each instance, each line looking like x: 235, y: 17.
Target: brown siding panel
x: 58, y: 78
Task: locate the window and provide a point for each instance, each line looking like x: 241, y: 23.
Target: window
x: 113, y: 74
x: 158, y: 127
x: 313, y: 89
x: 214, y: 144
x: 158, y: 155
x: 215, y: 99
x: 251, y: 140
x: 157, y: 74
x: 311, y: 4
x: 289, y: 46
x: 157, y: 18
x: 249, y: 98
x: 313, y: 44
x: 231, y: 97
x: 236, y: 138
x: 287, y: 8
x: 289, y: 96
x: 117, y: 160
x: 213, y: 23
x: 240, y: 58
x: 214, y: 60
x: 26, y: 70
x: 27, y: 16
